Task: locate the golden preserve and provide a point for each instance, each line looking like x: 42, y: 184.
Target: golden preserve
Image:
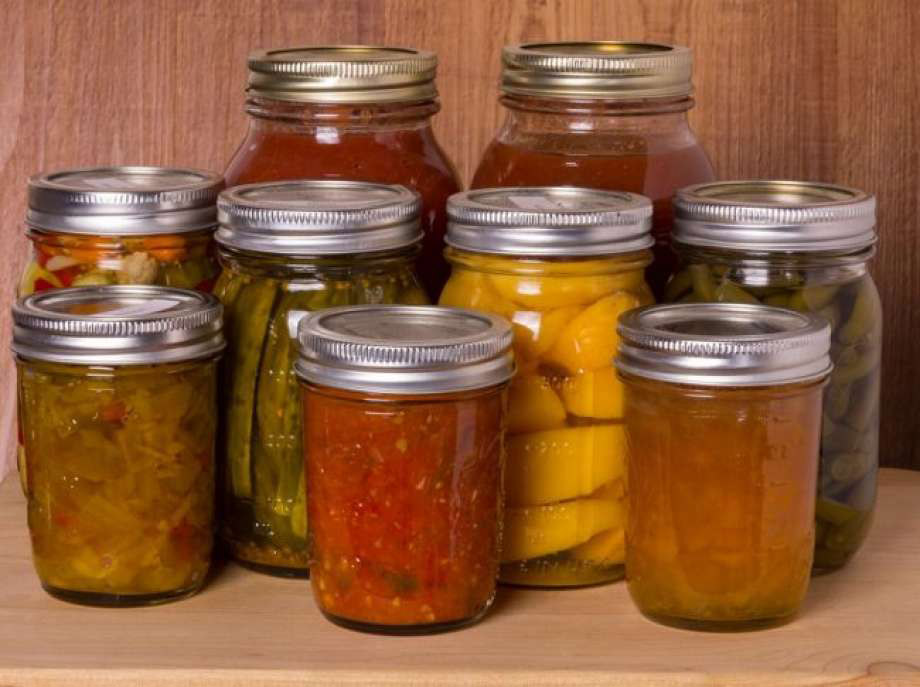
x: 723, y: 423
x: 565, y: 463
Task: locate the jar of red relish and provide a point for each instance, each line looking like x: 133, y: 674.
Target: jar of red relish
x: 404, y: 419
x: 350, y: 112
x: 609, y: 115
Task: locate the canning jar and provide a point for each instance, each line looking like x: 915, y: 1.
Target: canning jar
x: 118, y: 404
x: 404, y: 413
x: 288, y: 248
x: 350, y: 112
x: 805, y: 246
x: 121, y: 225
x: 610, y: 115
x: 723, y: 423
x: 562, y: 264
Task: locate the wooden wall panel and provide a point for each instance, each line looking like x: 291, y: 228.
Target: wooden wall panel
x: 819, y: 89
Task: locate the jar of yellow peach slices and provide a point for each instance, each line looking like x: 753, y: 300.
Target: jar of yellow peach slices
x: 562, y: 264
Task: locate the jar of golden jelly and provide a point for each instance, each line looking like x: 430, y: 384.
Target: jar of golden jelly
x: 404, y: 418
x: 118, y: 403
x: 122, y: 225
x: 723, y: 424
x: 562, y: 264
x: 805, y: 246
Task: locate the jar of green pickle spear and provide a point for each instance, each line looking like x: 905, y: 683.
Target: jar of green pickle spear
x: 288, y: 248
x: 118, y: 402
x: 804, y: 246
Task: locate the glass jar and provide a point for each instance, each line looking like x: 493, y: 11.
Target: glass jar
x: 288, y: 248
x: 723, y: 424
x: 561, y: 264
x: 404, y: 413
x: 350, y: 112
x: 805, y: 246
x: 121, y: 225
x: 118, y: 403
x: 609, y: 115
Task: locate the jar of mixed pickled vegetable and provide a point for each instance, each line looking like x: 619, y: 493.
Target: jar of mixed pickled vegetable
x: 562, y: 264
x: 351, y: 112
x: 404, y: 411
x: 122, y: 225
x: 805, y: 246
x: 723, y: 424
x: 288, y: 248
x: 610, y: 115
x: 118, y: 404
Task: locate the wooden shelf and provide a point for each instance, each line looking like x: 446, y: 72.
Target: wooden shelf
x: 860, y: 626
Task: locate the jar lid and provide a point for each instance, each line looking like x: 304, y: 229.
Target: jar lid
x: 124, y: 201
x: 549, y: 220
x: 318, y: 217
x: 343, y: 74
x: 117, y: 325
x: 600, y: 70
x: 723, y: 344
x: 392, y: 349
x: 775, y: 216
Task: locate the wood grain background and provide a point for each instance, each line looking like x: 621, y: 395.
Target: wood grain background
x: 813, y: 89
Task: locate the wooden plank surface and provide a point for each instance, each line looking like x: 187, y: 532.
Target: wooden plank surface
x: 860, y: 626
x: 817, y: 89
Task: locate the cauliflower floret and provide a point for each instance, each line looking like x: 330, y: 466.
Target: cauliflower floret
x: 138, y: 268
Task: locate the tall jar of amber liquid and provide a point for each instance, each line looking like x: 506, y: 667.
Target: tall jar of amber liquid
x: 723, y: 424
x: 562, y: 264
x: 118, y: 407
x: 802, y: 245
x: 350, y: 112
x: 610, y: 115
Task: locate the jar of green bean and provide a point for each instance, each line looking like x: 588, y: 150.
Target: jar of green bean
x: 804, y: 246
x: 287, y: 248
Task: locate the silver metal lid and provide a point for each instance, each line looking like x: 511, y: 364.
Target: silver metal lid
x: 343, y: 74
x: 391, y: 349
x: 723, y: 344
x: 117, y: 325
x: 124, y: 201
x: 600, y: 70
x: 780, y: 216
x: 549, y: 220
x: 318, y: 217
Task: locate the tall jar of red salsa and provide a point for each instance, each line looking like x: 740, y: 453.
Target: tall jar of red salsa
x: 404, y: 417
x: 610, y: 115
x: 121, y: 225
x: 350, y: 112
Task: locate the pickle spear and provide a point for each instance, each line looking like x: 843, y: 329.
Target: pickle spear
x: 246, y: 343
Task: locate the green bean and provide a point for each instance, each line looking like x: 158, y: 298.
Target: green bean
x: 833, y: 512
x: 727, y: 292
x: 864, y: 316
x: 865, y: 403
x: 837, y: 400
x: 851, y: 364
x: 813, y: 298
x: 679, y: 284
x: 255, y: 302
x: 703, y: 286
